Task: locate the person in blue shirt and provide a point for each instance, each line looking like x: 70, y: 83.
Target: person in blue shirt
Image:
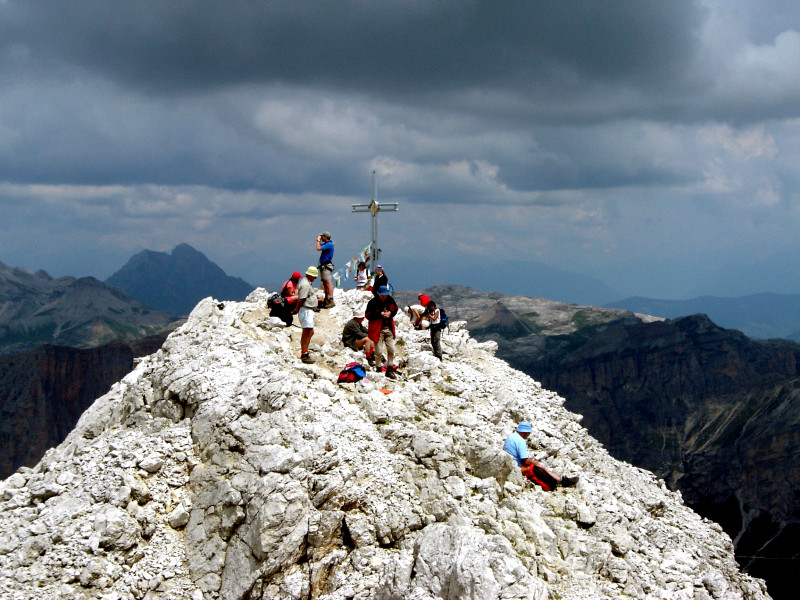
x: 517, y: 446
x: 325, y: 247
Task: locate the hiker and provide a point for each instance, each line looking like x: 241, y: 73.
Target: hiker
x: 362, y: 276
x: 414, y: 312
x: 380, y: 314
x: 325, y: 246
x: 286, y: 309
x: 517, y: 447
x: 433, y: 316
x: 305, y: 308
x: 380, y: 280
x: 356, y: 337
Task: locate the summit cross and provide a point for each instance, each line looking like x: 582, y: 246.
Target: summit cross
x: 374, y: 207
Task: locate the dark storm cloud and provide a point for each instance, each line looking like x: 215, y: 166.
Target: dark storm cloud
x: 381, y: 47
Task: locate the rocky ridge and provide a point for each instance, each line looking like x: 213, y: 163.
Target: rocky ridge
x: 223, y: 467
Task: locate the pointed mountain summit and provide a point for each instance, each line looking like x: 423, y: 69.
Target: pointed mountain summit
x: 222, y: 467
x: 176, y: 282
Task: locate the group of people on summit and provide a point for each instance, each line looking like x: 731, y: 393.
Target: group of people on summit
x: 377, y: 340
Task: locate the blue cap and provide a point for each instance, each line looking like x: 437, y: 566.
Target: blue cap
x: 383, y: 291
x: 524, y: 427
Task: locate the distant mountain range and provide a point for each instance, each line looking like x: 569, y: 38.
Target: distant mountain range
x: 36, y: 309
x: 760, y: 316
x: 177, y: 281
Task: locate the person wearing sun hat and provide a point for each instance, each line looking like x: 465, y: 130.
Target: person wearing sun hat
x: 305, y: 305
x: 517, y: 446
x: 356, y: 337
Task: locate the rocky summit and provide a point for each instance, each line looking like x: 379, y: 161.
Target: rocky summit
x: 223, y: 467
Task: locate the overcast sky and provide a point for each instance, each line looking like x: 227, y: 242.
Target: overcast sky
x: 652, y: 146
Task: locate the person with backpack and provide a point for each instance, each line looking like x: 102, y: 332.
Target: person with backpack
x: 380, y: 314
x: 434, y: 318
x: 362, y: 276
x: 516, y: 445
x: 285, y: 309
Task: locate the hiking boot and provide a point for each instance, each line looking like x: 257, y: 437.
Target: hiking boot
x: 569, y: 481
x: 329, y: 303
x: 371, y: 361
x: 391, y: 374
x: 306, y: 358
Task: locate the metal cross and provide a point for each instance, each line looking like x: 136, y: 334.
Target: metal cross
x: 374, y: 207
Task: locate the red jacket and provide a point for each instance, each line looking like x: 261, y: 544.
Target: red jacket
x: 376, y: 321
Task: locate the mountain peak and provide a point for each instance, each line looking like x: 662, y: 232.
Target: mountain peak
x: 241, y: 472
x: 177, y: 281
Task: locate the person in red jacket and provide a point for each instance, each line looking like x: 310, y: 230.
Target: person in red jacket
x: 380, y: 314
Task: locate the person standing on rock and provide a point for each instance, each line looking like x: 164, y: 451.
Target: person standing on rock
x: 305, y: 308
x: 380, y: 314
x: 517, y: 446
x: 380, y: 280
x: 433, y: 316
x: 362, y: 276
x: 325, y: 247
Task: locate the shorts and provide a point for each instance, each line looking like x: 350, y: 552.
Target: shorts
x: 306, y: 318
x: 325, y: 274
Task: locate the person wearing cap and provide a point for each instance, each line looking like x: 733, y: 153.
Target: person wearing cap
x: 380, y: 280
x: 305, y: 305
x: 380, y: 314
x: 325, y: 247
x: 517, y: 446
x: 286, y: 309
x: 356, y: 337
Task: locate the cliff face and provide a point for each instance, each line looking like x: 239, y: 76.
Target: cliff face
x: 714, y: 413
x: 223, y: 467
x: 44, y: 391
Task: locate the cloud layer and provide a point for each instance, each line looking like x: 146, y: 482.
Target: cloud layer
x: 643, y: 143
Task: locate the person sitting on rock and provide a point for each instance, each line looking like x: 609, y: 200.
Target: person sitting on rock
x: 517, y: 447
x: 285, y: 311
x: 355, y: 336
